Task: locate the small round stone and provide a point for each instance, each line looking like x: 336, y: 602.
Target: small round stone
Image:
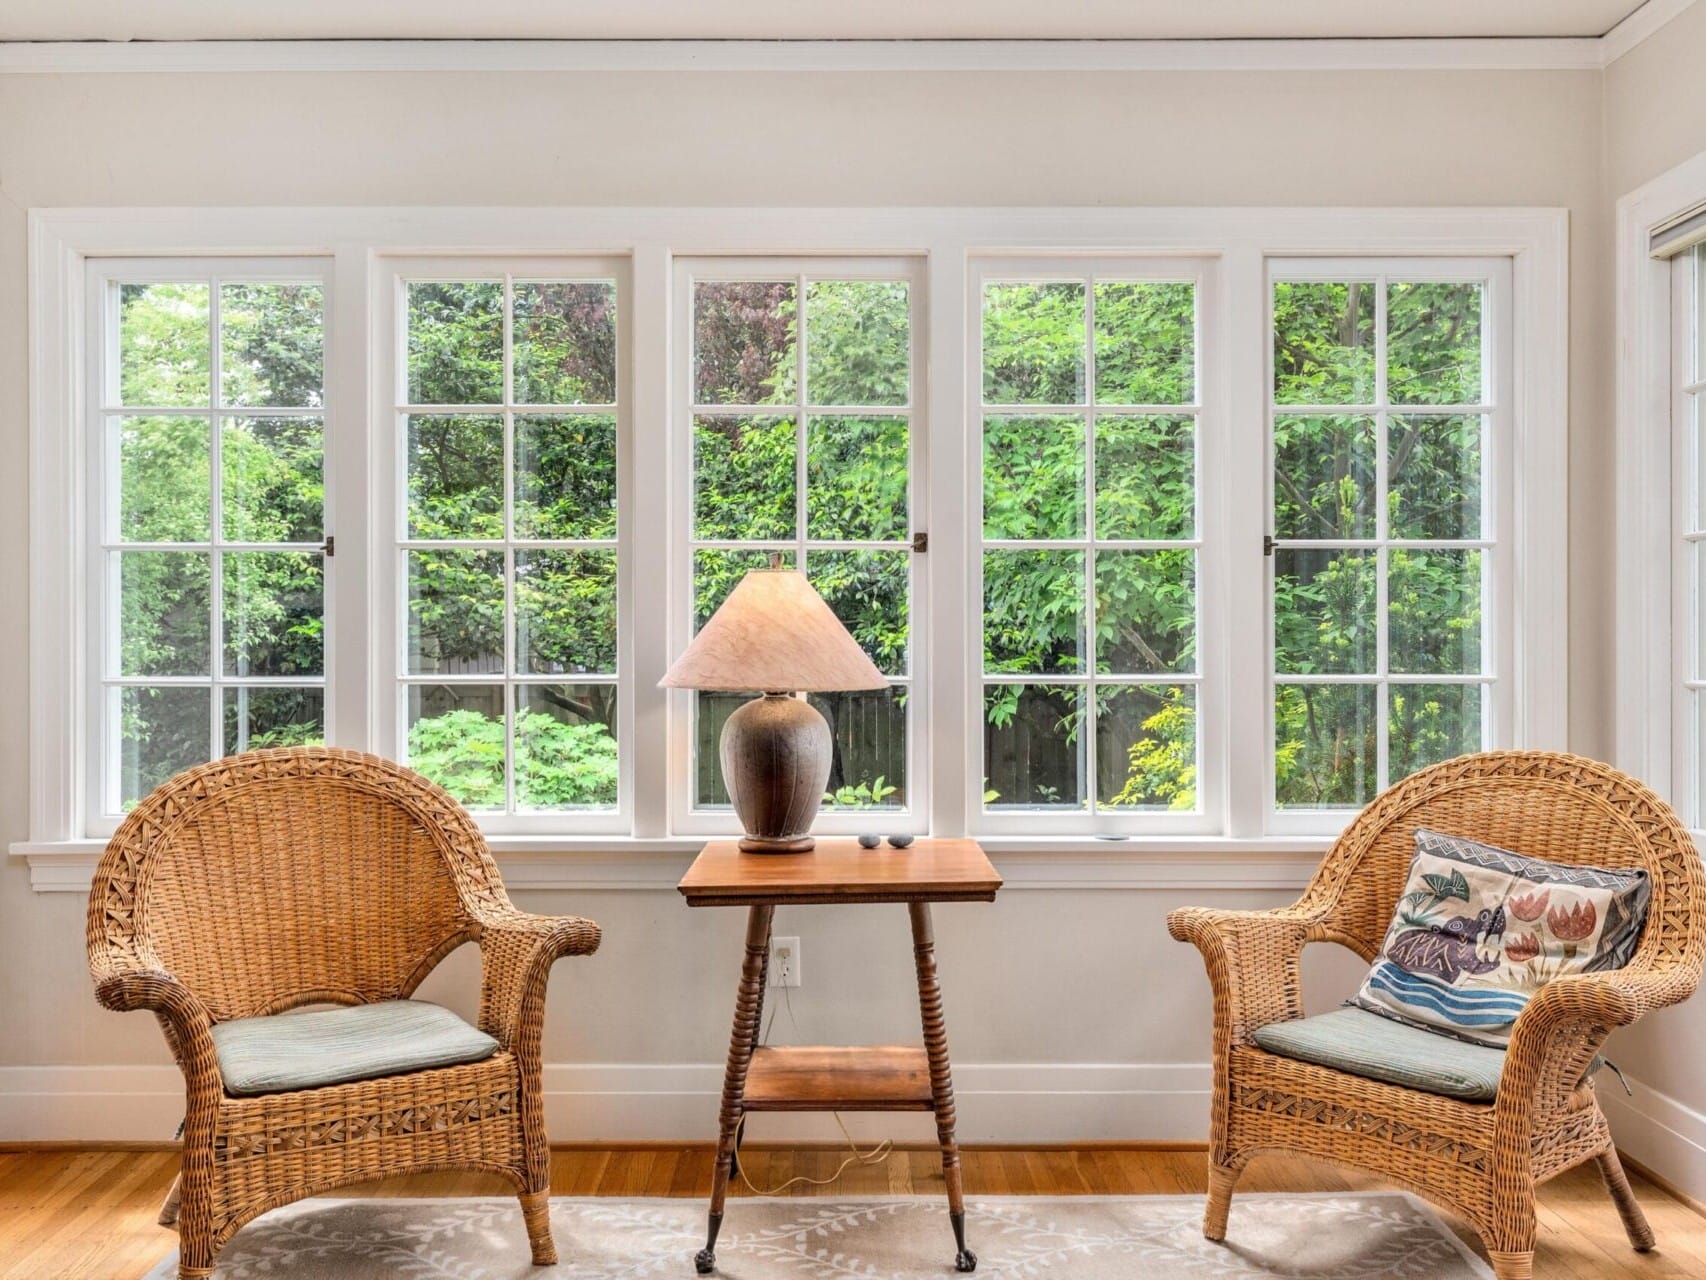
x: 900, y: 842
x: 869, y: 841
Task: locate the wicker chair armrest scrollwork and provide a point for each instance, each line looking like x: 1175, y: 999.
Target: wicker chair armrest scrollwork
x: 188, y: 1024
x: 1252, y: 959
x: 517, y: 950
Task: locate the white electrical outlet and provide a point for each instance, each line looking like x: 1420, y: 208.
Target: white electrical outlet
x: 784, y: 962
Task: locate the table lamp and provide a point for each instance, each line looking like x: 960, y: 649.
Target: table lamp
x: 775, y: 635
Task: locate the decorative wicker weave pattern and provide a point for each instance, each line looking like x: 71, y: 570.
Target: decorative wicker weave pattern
x: 1483, y: 1161
x: 274, y: 879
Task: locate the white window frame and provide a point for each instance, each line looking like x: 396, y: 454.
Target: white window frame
x: 1653, y: 624
x: 1498, y: 504
x: 688, y: 817
x: 1688, y: 543
x: 101, y: 310
x: 1213, y: 655
x: 359, y: 241
x: 389, y: 471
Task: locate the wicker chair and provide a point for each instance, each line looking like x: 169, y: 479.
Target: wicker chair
x: 1481, y: 1160
x: 281, y: 878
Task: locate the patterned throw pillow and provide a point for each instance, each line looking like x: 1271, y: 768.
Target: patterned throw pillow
x: 1479, y: 930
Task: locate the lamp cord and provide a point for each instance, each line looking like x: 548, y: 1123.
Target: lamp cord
x: 876, y: 1155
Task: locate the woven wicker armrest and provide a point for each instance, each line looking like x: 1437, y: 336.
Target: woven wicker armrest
x: 1252, y: 959
x: 517, y: 951
x: 189, y: 1026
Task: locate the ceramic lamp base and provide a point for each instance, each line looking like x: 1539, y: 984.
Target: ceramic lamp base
x: 776, y: 755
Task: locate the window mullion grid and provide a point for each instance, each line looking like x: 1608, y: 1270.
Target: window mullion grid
x: 509, y: 692
x: 216, y: 520
x: 1382, y: 533
x: 801, y: 433
x: 1091, y: 707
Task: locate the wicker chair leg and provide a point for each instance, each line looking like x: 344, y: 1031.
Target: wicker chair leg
x: 1221, y: 1180
x: 1623, y: 1196
x: 1512, y: 1266
x: 536, y: 1212
x: 169, y: 1206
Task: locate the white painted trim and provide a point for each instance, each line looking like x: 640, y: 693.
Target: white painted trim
x: 930, y: 56
x: 677, y: 1102
x: 1639, y: 26
x: 594, y: 864
x: 1535, y: 240
x: 1664, y: 1135
x: 1644, y: 641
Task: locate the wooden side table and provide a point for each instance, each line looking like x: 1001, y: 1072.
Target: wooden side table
x: 865, y: 1078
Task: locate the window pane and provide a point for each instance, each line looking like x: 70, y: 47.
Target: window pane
x: 1324, y: 611
x: 565, y: 477
x: 868, y: 764
x: 564, y: 334
x: 1145, y: 477
x: 1323, y: 342
x: 456, y: 738
x: 744, y: 342
x: 163, y: 346
x: 743, y: 478
x: 1435, y: 603
x: 273, y: 717
x: 856, y: 479
x: 163, y: 479
x: 1145, y: 342
x: 1325, y: 745
x: 271, y: 345
x: 1434, y: 469
x: 714, y: 710
x: 273, y: 479
x: 716, y: 573
x: 165, y: 615
x: 565, y: 611
x: 1033, y: 343
x: 275, y: 607
x: 565, y: 746
x: 1033, y: 747
x: 456, y: 477
x: 868, y: 591
x: 456, y: 342
x: 1146, y: 611
x: 1033, y: 611
x: 1146, y: 747
x: 456, y: 612
x: 1431, y: 722
x: 1324, y: 477
x: 1033, y: 477
x: 161, y: 732
x: 856, y: 342
x: 1433, y: 343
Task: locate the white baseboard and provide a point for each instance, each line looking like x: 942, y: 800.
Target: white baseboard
x: 615, y: 1102
x: 1662, y: 1134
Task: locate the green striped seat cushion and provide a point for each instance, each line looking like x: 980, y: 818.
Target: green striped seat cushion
x: 1365, y: 1044
x: 280, y: 1052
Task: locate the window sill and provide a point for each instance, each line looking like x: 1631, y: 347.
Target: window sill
x: 583, y: 863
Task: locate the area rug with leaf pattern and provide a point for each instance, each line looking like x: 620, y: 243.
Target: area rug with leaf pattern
x: 1344, y: 1236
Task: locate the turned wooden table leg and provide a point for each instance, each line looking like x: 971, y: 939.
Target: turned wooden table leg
x: 743, y: 1039
x: 941, y: 1077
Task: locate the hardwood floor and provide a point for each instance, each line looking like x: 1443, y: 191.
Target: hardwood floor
x: 89, y: 1214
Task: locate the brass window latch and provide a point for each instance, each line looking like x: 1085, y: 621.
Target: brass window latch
x: 921, y: 542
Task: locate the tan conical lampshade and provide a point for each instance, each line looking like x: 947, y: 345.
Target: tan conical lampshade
x: 774, y: 634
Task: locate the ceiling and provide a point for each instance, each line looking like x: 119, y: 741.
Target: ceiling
x: 801, y: 19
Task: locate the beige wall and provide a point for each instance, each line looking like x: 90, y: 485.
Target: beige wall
x: 1043, y: 975
x: 1655, y: 118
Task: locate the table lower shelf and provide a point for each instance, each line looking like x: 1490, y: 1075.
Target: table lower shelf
x: 825, y: 1078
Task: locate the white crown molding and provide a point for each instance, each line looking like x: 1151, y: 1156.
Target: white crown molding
x: 249, y: 56
x: 1638, y: 26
